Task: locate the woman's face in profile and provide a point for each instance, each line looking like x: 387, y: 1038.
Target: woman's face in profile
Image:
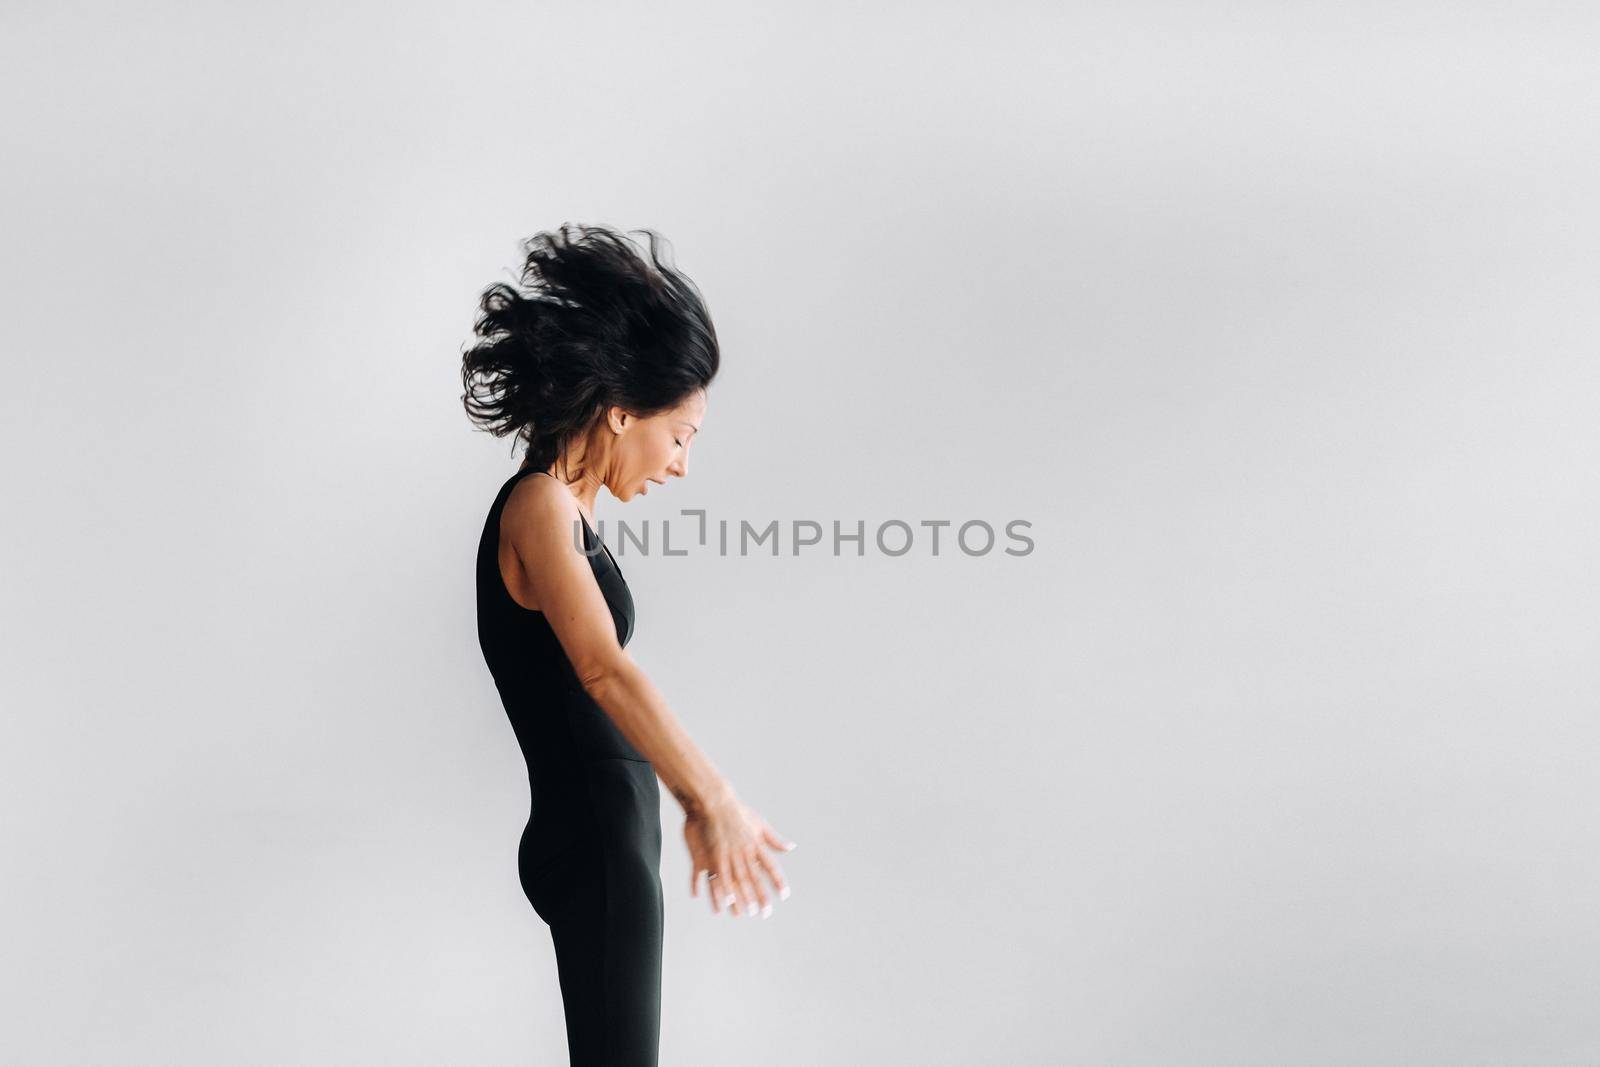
x: 657, y: 448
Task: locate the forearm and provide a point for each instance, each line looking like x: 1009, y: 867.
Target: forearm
x: 641, y: 713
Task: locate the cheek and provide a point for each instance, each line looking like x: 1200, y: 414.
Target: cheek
x: 651, y: 459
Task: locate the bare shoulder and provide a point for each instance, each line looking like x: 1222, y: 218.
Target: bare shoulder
x: 538, y: 511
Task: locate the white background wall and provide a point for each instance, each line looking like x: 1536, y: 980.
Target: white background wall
x: 1276, y: 321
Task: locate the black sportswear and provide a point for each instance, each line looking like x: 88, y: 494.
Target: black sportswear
x: 590, y: 857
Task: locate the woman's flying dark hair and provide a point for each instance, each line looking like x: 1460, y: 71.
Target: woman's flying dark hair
x: 596, y: 326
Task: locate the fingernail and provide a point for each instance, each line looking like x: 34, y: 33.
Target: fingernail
x: 783, y: 894
x: 766, y: 911
x: 727, y: 902
x: 750, y: 908
x: 790, y: 847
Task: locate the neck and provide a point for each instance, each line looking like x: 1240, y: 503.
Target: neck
x: 582, y: 489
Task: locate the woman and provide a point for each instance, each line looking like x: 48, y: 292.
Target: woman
x: 601, y: 368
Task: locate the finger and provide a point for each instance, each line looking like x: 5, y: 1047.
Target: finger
x: 770, y: 868
x: 748, y: 901
x: 699, y: 863
x: 713, y: 891
x: 735, y: 899
x: 757, y: 886
x: 724, y: 895
x: 776, y: 840
x: 702, y: 872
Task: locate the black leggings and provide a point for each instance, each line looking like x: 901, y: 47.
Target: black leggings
x: 603, y: 903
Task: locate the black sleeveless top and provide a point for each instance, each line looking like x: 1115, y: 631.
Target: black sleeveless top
x: 558, y: 725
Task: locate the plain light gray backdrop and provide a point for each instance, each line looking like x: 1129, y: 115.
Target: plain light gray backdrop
x: 1277, y: 322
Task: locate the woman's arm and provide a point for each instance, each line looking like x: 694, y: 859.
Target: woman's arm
x: 627, y: 694
x: 540, y: 520
x: 725, y: 837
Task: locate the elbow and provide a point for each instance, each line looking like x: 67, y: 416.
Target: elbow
x: 601, y: 675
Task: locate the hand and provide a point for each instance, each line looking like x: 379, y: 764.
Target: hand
x: 728, y: 841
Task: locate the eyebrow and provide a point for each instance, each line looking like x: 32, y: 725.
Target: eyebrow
x: 686, y: 422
